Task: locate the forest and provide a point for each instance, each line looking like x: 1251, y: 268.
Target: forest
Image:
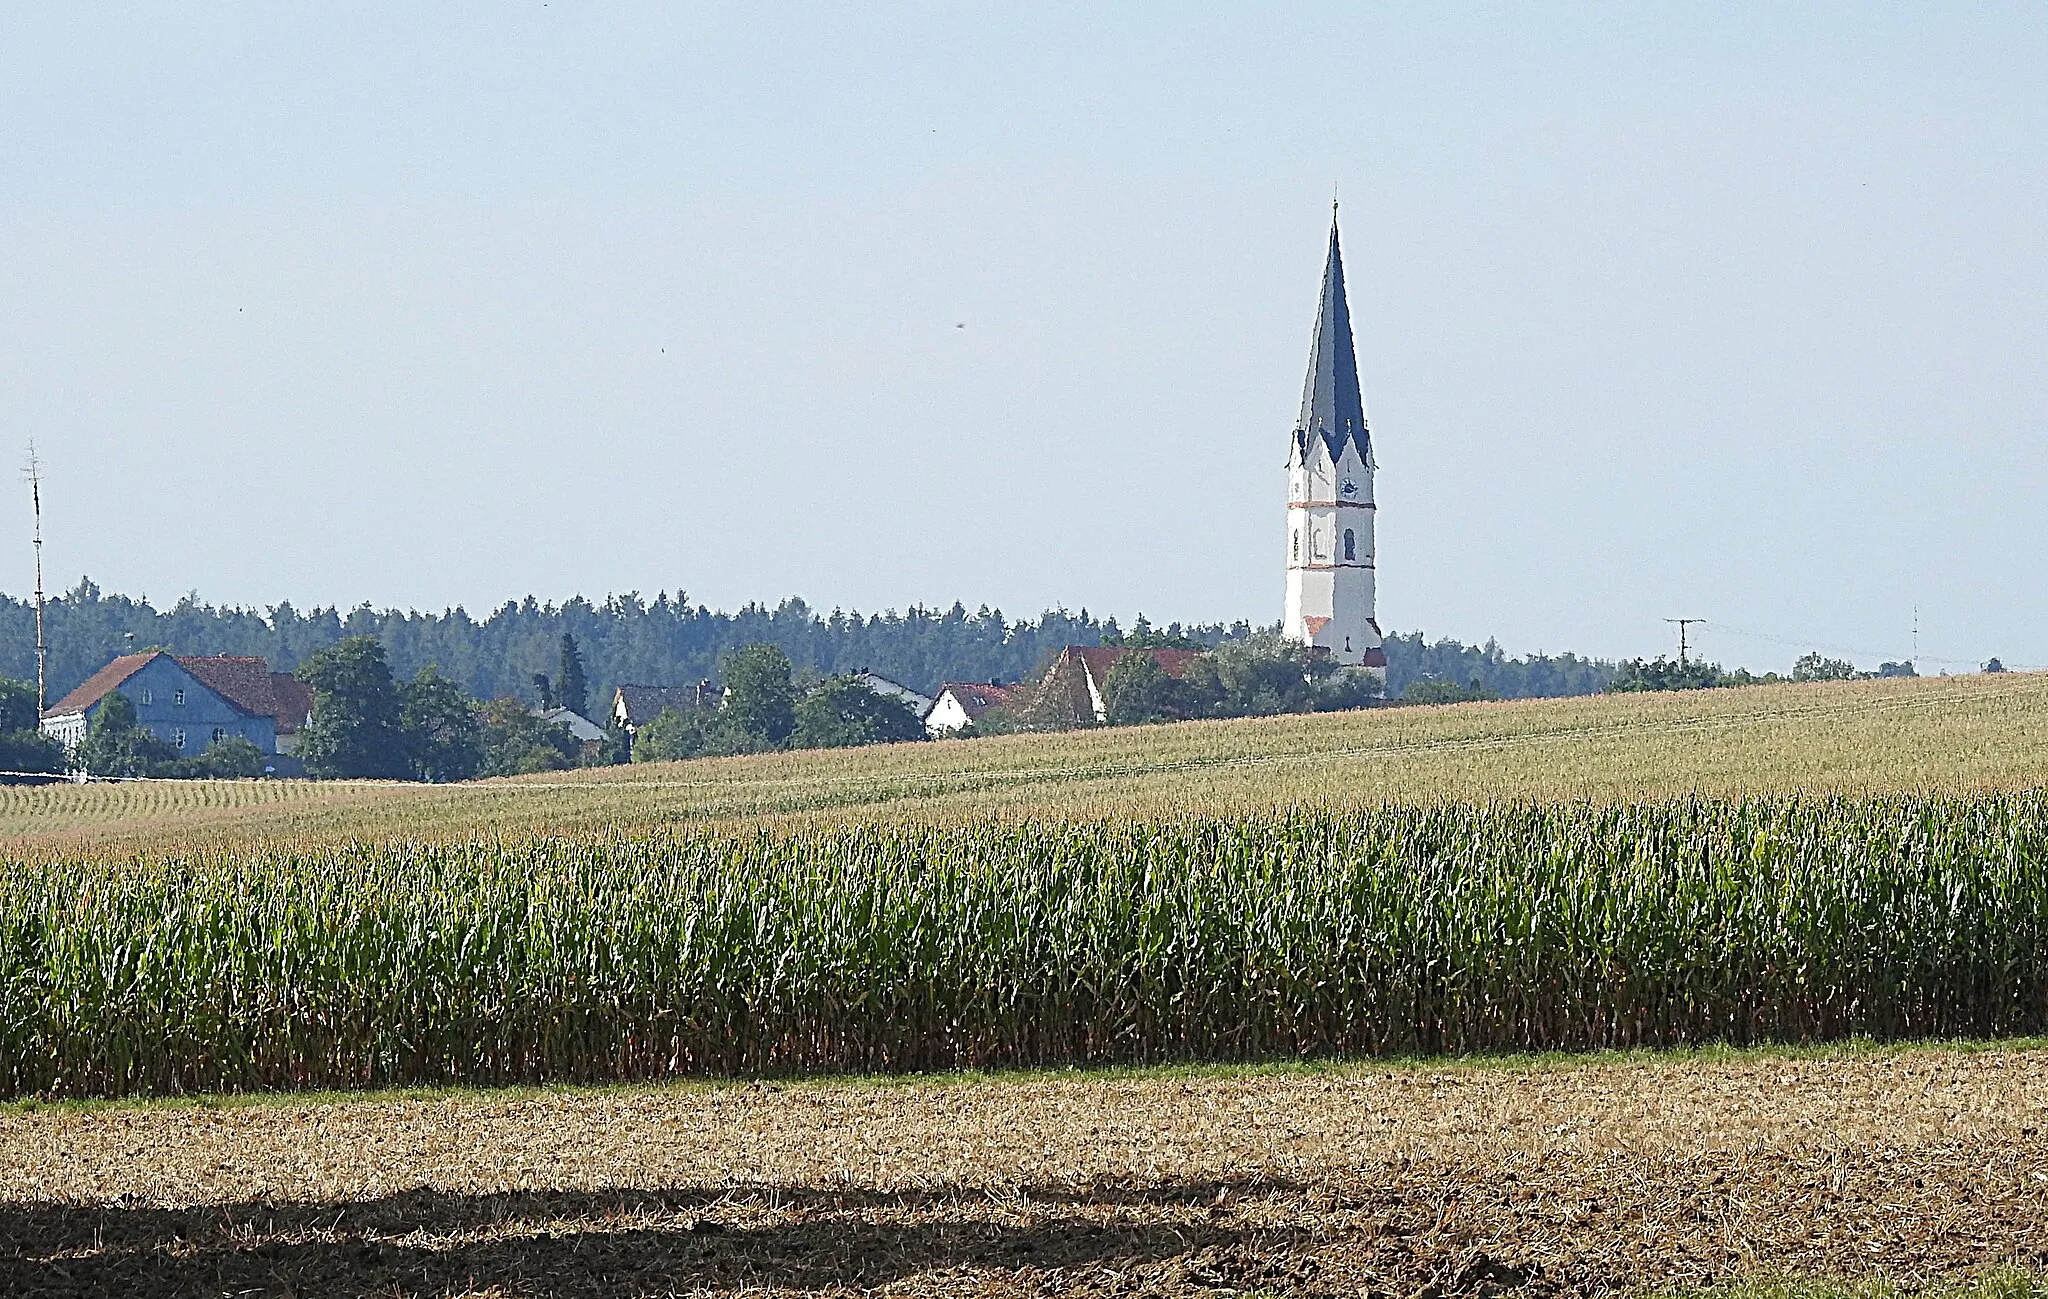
x: 670, y: 641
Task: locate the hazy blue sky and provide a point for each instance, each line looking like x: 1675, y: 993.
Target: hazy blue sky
x: 1719, y: 310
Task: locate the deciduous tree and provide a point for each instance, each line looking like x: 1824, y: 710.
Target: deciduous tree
x: 760, y: 698
x: 843, y: 712
x: 355, y: 732
x: 442, y: 736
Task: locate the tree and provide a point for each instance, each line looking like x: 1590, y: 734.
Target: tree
x: 516, y: 743
x: 844, y: 712
x: 1994, y: 666
x: 1897, y: 670
x: 23, y: 746
x: 1445, y: 692
x: 1661, y: 673
x: 1817, y: 667
x: 230, y: 759
x: 1262, y: 675
x: 355, y: 732
x: 443, y: 740
x: 618, y: 743
x: 693, y: 733
x: 1138, y: 690
x: 1143, y: 635
x: 116, y: 744
x: 17, y: 706
x: 572, y: 689
x: 759, y: 697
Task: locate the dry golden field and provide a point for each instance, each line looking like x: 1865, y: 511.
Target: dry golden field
x: 1976, y: 732
x: 1587, y: 1177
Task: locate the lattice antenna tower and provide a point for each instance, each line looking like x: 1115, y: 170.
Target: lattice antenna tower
x: 34, y: 473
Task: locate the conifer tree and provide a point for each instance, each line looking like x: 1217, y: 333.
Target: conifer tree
x: 572, y: 688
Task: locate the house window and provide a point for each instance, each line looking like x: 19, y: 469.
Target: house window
x: 148, y: 695
x: 219, y: 733
x: 178, y: 699
x: 178, y: 737
x: 1350, y: 548
x: 1297, y: 543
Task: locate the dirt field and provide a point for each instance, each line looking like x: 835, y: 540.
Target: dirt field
x: 1581, y: 1178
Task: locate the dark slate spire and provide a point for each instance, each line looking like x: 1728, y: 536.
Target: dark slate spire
x: 1331, y: 407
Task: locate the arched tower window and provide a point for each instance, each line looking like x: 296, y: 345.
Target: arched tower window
x: 1350, y: 544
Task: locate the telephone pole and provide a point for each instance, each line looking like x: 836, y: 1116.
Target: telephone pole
x: 1683, y: 623
x: 35, y: 490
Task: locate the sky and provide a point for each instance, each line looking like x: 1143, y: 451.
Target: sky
x: 1737, y: 312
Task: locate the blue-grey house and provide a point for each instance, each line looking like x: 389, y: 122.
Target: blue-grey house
x: 191, y: 703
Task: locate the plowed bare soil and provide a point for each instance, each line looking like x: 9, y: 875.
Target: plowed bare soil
x: 1546, y: 1179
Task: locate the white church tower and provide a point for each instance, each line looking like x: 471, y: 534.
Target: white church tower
x: 1329, y: 495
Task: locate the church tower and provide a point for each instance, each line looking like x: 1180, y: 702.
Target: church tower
x: 1330, y: 587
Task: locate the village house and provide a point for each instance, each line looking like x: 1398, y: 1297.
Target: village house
x: 635, y: 706
x: 191, y: 702
x: 919, y: 704
x: 1079, y: 678
x: 962, y: 702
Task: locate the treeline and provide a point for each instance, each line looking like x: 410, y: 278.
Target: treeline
x: 670, y: 641
x: 1660, y: 673
x: 1411, y: 660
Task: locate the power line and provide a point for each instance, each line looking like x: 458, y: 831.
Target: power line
x: 1808, y: 643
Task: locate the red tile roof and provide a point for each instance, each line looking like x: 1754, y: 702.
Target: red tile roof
x: 1101, y: 658
x: 241, y: 679
x: 294, y: 702
x: 95, y: 687
x: 244, y: 680
x: 977, y: 697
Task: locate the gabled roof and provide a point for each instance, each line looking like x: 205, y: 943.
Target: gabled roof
x: 1332, y: 407
x: 977, y: 697
x: 882, y: 685
x: 95, y: 687
x: 244, y: 680
x: 645, y: 703
x: 1101, y: 658
x: 580, y: 727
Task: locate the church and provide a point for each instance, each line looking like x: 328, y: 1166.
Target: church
x: 1330, y: 587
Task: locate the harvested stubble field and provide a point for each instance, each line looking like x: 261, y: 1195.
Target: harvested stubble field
x: 1580, y: 1177
x: 1961, y: 733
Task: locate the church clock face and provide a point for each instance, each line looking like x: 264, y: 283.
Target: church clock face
x: 1350, y: 488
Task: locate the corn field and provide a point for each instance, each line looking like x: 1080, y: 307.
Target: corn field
x: 1462, y: 927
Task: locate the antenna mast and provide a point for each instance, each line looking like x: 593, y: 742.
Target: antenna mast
x: 35, y: 488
